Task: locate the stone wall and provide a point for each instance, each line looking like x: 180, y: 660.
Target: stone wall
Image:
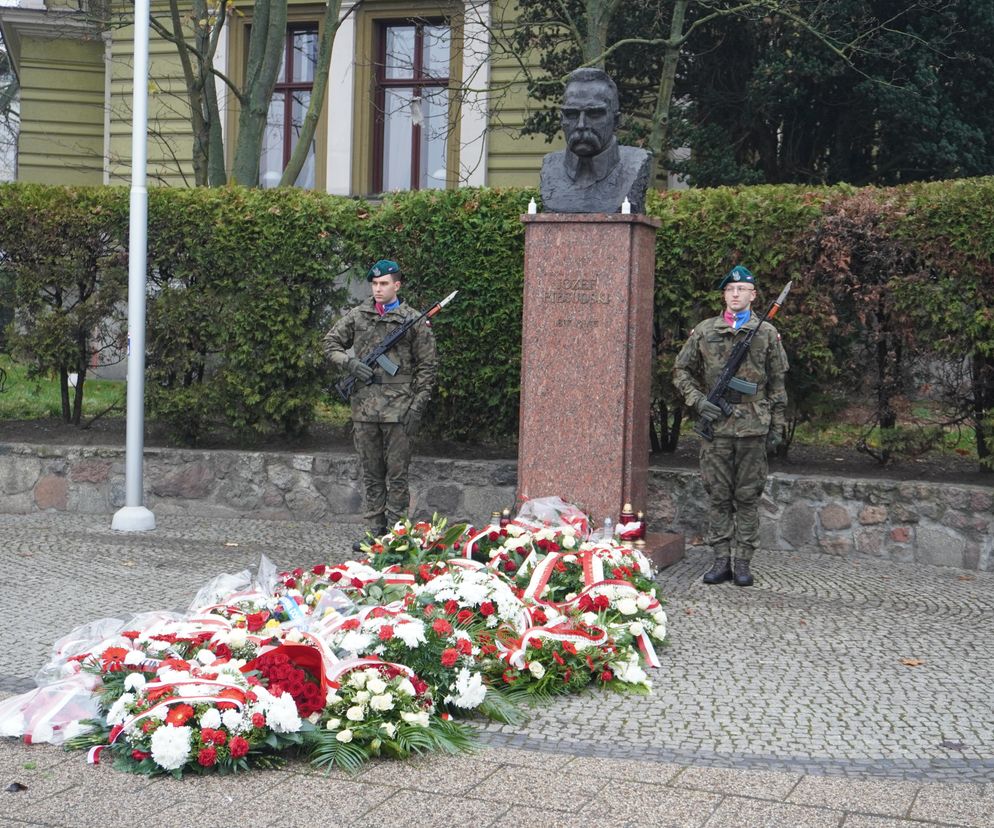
x: 902, y: 521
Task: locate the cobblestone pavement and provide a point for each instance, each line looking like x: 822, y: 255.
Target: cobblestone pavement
x: 784, y: 704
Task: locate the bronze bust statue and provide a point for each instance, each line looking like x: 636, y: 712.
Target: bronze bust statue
x: 594, y: 174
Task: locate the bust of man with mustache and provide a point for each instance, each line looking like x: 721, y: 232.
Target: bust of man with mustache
x: 594, y: 174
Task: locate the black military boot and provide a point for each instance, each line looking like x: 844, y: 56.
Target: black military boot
x: 742, y: 577
x: 720, y: 571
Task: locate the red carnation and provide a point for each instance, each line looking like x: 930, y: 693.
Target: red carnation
x: 429, y: 609
x: 464, y: 616
x: 449, y: 657
x: 464, y: 646
x: 607, y: 675
x: 451, y: 607
x: 207, y: 757
x: 131, y: 634
x: 298, y: 572
x: 258, y: 720
x: 493, y: 536
x: 239, y: 747
x: 335, y: 577
x: 350, y: 624
x: 510, y: 566
x: 357, y: 583
x: 539, y: 616
x: 320, y: 569
x: 601, y: 602
x: 139, y: 755
x: 441, y: 626
x: 487, y: 609
x: 386, y: 632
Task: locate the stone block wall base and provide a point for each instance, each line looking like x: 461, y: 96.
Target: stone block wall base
x: 664, y: 548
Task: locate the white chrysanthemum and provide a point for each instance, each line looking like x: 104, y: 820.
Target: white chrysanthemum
x: 627, y: 606
x: 211, y: 718
x: 405, y: 686
x: 356, y: 713
x: 333, y: 724
x: 171, y: 746
x: 382, y: 702
x: 356, y: 641
x: 233, y: 720
x: 376, y: 685
x: 420, y: 719
x: 412, y: 633
x: 358, y: 678
x: 117, y: 713
x: 536, y: 669
x: 659, y: 632
x: 643, y: 601
x: 232, y: 667
x: 134, y: 681
x: 295, y: 636
x: 282, y: 715
x: 636, y: 629
x: 514, y: 530
x: 589, y: 618
x: 344, y: 736
x: 169, y: 675
x: 363, y: 695
x: 390, y: 728
x: 468, y: 689
x: 134, y: 658
x: 568, y: 542
x: 206, y: 657
x: 515, y: 543
x: 237, y: 638
x: 154, y: 646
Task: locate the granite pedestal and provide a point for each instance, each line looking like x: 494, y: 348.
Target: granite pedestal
x: 586, y: 360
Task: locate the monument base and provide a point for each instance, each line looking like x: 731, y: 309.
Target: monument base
x: 664, y: 548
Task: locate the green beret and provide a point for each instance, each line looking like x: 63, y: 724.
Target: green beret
x: 737, y: 274
x: 384, y: 267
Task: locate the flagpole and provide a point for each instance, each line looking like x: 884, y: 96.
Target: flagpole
x: 133, y: 516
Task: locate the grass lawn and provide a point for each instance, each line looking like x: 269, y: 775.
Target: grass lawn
x: 33, y: 399
x: 28, y: 399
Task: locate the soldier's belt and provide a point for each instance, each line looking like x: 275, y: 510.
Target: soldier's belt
x: 396, y: 379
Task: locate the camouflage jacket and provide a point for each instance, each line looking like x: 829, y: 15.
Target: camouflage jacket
x: 704, y: 355
x: 387, y: 399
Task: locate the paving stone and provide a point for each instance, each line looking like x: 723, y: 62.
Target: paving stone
x: 739, y: 812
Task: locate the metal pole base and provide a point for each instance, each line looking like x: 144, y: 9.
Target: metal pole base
x: 133, y: 519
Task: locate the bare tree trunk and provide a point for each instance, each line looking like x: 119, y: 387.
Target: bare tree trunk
x: 599, y: 14
x: 265, y: 52
x: 659, y: 133
x: 194, y: 91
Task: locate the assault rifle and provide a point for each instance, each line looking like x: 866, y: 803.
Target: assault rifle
x: 378, y: 356
x: 727, y: 381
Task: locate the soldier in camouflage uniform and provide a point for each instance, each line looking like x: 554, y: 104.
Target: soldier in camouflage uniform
x: 386, y: 410
x: 734, y: 465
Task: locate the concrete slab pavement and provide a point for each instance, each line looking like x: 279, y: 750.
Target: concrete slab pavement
x: 838, y: 692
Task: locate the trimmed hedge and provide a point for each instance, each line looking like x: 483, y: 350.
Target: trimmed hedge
x: 887, y: 282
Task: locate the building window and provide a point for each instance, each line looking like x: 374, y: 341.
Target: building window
x: 288, y: 106
x: 412, y: 124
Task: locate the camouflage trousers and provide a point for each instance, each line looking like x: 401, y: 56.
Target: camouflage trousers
x: 734, y: 472
x: 384, y: 453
